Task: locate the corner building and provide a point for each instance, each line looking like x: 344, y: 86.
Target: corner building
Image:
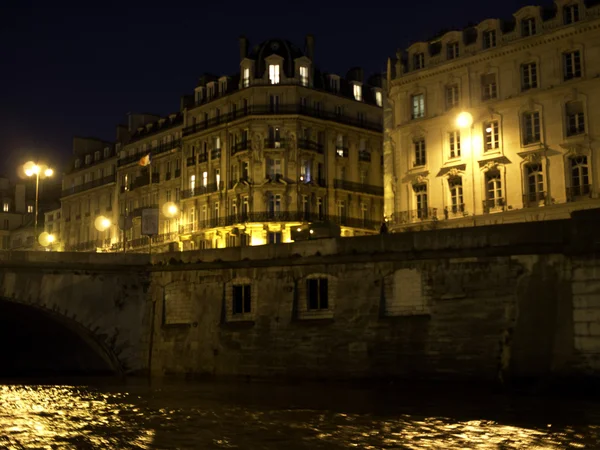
x: 279, y: 145
x: 495, y: 123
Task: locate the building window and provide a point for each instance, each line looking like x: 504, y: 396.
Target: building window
x: 531, y: 128
x: 575, y: 118
x: 494, y: 195
x: 452, y: 50
x: 241, y: 299
x: 274, y: 73
x: 420, y: 153
x: 204, y: 179
x: 528, y: 27
x: 535, y: 182
x: 317, y: 297
x: 304, y: 75
x: 572, y: 65
x: 379, y: 98
x: 334, y: 84
x: 274, y: 103
x: 275, y: 237
x: 489, y: 39
x: 274, y: 168
x: 421, y: 200
x: 418, y: 106
x: 489, y: 88
x: 571, y: 14
x: 454, y: 141
x: 340, y: 206
x: 97, y: 156
x: 580, y: 181
x: 456, y: 194
x: 5, y: 207
x: 246, y: 78
x: 492, y: 135
x: 192, y: 182
x: 418, y: 61
x: 451, y: 96
x: 529, y: 76
x: 30, y: 208
x: 357, y: 89
x: 274, y: 203
x: 77, y: 163
x: 88, y: 159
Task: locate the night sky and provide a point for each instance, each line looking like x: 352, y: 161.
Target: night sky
x: 68, y: 71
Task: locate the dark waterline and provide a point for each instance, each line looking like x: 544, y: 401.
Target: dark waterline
x: 112, y: 413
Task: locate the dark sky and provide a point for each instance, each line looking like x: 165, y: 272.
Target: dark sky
x: 68, y: 71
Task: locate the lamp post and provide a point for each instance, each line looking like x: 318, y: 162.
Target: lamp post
x: 465, y: 120
x: 102, y: 224
x: 32, y: 169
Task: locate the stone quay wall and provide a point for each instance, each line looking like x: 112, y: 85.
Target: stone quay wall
x: 488, y: 303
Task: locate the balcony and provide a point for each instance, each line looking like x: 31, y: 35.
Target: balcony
x: 534, y: 198
x: 364, y: 155
x: 89, y: 185
x: 200, y: 190
x: 341, y: 152
x: 215, y: 153
x: 240, y: 147
x: 177, y: 173
x: 415, y: 215
x: 144, y: 180
x: 307, y: 144
x: 203, y: 157
x: 358, y: 187
x: 575, y: 192
x: 191, y: 161
x: 493, y: 205
x: 454, y: 211
x: 288, y: 109
x: 154, y: 151
x: 243, y: 180
x: 275, y: 143
x: 88, y: 246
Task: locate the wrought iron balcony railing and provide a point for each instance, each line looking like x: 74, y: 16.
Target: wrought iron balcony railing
x: 89, y: 185
x: 307, y: 144
x: 583, y: 190
x: 415, y: 215
x: 493, y: 204
x: 199, y: 190
x: 154, y: 151
x: 358, y: 187
x: 533, y: 198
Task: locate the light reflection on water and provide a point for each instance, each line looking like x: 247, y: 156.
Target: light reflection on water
x: 264, y: 417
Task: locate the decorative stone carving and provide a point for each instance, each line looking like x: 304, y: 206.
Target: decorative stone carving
x: 533, y: 158
x: 257, y: 147
x: 421, y: 179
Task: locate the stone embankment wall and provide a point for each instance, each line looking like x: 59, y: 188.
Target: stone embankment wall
x: 484, y: 303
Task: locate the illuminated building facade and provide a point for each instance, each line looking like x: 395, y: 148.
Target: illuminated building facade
x: 495, y: 123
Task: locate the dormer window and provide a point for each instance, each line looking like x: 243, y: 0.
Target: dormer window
x: 418, y: 61
x: 357, y: 89
x: 106, y: 152
x: 489, y: 39
x: 97, y: 156
x: 378, y: 98
x: 88, y: 159
x: 304, y: 75
x: 334, y: 83
x: 528, y: 27
x: 210, y: 90
x: 246, y: 78
x: 571, y: 14
x: 199, y: 96
x: 274, y: 73
x: 222, y: 87
x: 452, y: 50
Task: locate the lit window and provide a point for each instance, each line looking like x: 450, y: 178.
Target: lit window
x: 29, y: 208
x: 418, y: 106
x: 491, y: 135
x: 529, y: 76
x: 274, y: 73
x: 379, y: 98
x: 571, y: 14
x: 192, y: 182
x: 452, y: 50
x: 357, y: 92
x: 204, y: 179
x: 572, y: 65
x: 489, y: 39
x: 5, y: 207
x: 489, y: 88
x: 531, y: 128
x: 575, y: 118
x: 246, y: 78
x: 528, y: 27
x: 418, y: 61
x: 420, y: 154
x: 451, y: 96
x: 454, y: 142
x: 304, y: 76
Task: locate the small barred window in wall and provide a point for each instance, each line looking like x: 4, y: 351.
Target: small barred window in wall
x: 304, y: 75
x: 456, y: 194
x: 420, y: 153
x: 529, y: 76
x: 535, y: 182
x: 421, y: 200
x: 242, y: 299
x: 495, y: 197
x: 531, y: 128
x: 489, y: 89
x: 274, y: 73
x: 452, y: 96
x: 246, y: 78
x: 317, y: 294
x: 572, y: 65
x: 575, y: 118
x: 489, y: 39
x: 418, y: 106
x: 379, y: 98
x: 418, y: 61
x: 492, y: 135
x: 571, y: 14
x: 452, y: 50
x: 528, y: 27
x: 454, y: 142
x: 580, y: 181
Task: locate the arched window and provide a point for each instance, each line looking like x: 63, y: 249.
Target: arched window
x: 535, y: 182
x: 421, y: 200
x: 580, y: 181
x: 456, y: 194
x: 494, y: 194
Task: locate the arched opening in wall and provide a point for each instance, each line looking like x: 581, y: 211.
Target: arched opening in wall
x: 38, y: 343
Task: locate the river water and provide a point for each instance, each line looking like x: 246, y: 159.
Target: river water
x: 202, y: 415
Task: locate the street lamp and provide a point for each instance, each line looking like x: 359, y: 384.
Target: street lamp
x: 46, y: 239
x: 102, y: 224
x: 32, y: 169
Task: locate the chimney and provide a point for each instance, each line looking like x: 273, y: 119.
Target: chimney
x: 243, y: 47
x: 309, y: 45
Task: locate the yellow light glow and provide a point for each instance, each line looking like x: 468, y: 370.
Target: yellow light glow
x: 464, y: 120
x: 312, y: 231
x: 257, y: 240
x: 172, y: 209
x: 102, y: 223
x: 35, y: 169
x: 48, y: 172
x: 105, y: 223
x: 299, y: 229
x: 28, y: 172
x: 51, y: 238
